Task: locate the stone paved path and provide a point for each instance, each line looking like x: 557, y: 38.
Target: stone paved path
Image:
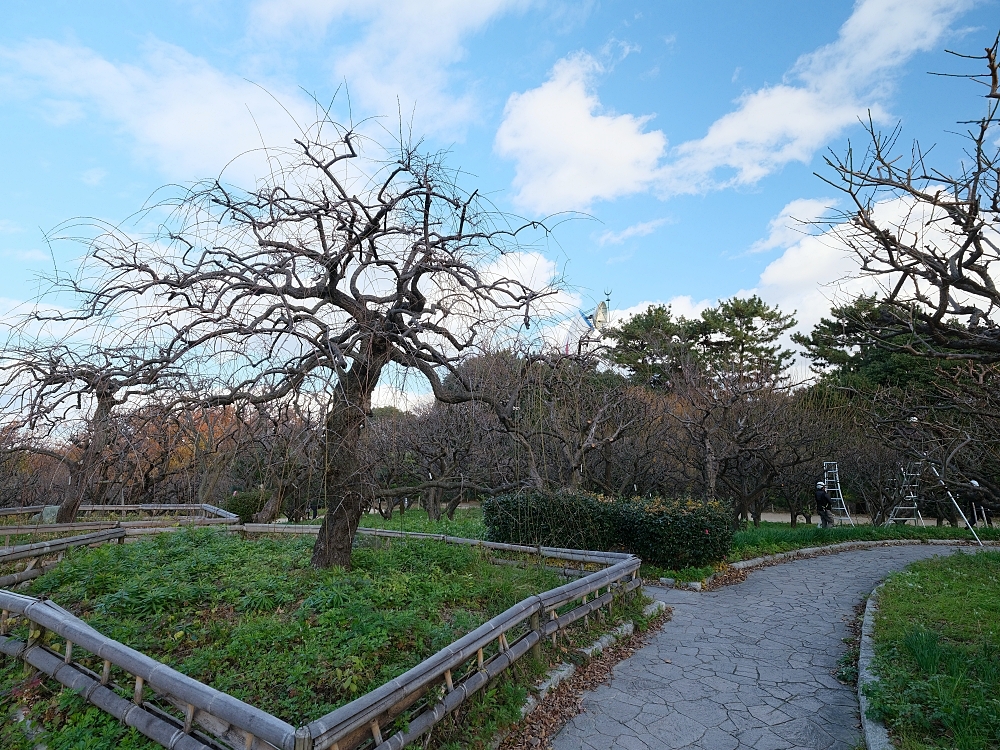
x: 747, y: 666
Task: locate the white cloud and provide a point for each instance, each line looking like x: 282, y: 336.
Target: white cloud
x: 568, y: 150
x: 93, y: 176
x: 9, y: 227
x: 789, y: 226
x: 30, y: 256
x: 61, y: 112
x: 682, y: 307
x: 403, y: 397
x: 402, y: 54
x: 825, y: 92
x: 183, y: 115
x: 819, y: 271
x: 641, y: 229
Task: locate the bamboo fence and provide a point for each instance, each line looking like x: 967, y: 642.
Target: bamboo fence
x: 35, y: 552
x: 203, y: 718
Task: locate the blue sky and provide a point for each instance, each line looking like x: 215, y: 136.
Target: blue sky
x: 687, y: 133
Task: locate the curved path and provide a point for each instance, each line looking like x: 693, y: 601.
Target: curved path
x: 747, y: 666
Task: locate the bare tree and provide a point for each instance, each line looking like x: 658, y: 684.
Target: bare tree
x: 928, y: 236
x: 321, y: 279
x: 49, y: 387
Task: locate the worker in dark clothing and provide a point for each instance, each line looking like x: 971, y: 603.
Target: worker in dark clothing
x: 823, y: 506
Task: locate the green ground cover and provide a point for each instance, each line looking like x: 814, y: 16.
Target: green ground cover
x: 937, y: 653
x: 467, y: 523
x: 771, y: 538
x: 252, y: 618
x: 767, y: 539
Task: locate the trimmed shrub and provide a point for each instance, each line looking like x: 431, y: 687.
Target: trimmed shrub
x: 577, y: 520
x: 675, y: 534
x: 245, y: 504
x: 672, y: 534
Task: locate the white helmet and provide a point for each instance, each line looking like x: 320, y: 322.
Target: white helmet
x: 820, y: 484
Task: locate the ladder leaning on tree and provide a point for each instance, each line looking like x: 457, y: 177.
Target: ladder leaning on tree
x: 831, y: 478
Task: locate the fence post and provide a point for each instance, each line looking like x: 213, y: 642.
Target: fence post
x: 303, y: 739
x: 536, y: 650
x: 36, y: 637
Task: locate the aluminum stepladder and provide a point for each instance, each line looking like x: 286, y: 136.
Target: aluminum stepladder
x: 831, y: 477
x: 905, y: 508
x: 958, y: 507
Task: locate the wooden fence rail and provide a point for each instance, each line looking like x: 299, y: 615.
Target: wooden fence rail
x: 443, y: 681
x: 201, y: 509
x: 38, y: 550
x: 55, y: 528
x: 205, y: 705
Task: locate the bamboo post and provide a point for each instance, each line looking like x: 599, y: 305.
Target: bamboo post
x: 69, y: 652
x: 36, y: 636
x: 4, y: 617
x: 137, y: 695
x: 586, y: 618
x: 376, y: 732
x: 106, y: 672
x: 536, y: 650
x: 553, y: 616
x: 304, y: 740
x: 188, y: 718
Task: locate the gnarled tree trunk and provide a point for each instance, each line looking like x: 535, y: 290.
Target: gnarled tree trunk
x: 88, y: 467
x: 345, y: 501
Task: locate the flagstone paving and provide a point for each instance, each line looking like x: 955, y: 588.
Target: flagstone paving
x: 747, y: 666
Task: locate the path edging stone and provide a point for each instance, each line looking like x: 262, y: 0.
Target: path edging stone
x: 874, y: 731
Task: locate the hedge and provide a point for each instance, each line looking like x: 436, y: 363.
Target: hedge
x: 669, y: 533
x: 675, y: 533
x: 245, y: 504
x: 562, y: 519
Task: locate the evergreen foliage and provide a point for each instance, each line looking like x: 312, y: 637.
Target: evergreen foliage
x: 845, y: 350
x: 671, y: 534
x: 246, y: 504
x: 738, y: 335
x: 675, y: 533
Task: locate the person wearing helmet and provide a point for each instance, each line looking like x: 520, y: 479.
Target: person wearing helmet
x: 823, y: 506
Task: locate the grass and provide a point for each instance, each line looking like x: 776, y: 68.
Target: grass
x: 937, y: 646
x: 654, y: 573
x: 770, y: 538
x: 773, y: 537
x: 252, y: 618
x: 468, y: 523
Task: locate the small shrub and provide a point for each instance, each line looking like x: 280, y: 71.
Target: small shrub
x: 675, y: 534
x: 672, y: 534
x: 245, y: 504
x: 576, y: 520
